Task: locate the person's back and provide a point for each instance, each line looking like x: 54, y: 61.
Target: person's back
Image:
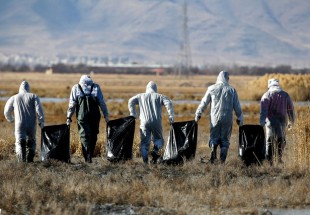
x: 86, y: 87
x: 88, y: 105
x: 25, y: 111
x: 150, y: 105
x: 223, y: 99
x: 276, y: 105
x: 25, y: 106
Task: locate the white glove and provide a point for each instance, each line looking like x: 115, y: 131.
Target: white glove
x: 68, y: 121
x: 197, y: 118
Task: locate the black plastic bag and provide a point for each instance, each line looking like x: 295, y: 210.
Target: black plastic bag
x: 251, y: 144
x: 182, y: 142
x: 120, y: 135
x: 55, y: 143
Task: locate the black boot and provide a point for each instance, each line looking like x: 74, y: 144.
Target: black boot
x: 89, y: 158
x: 155, y: 157
x: 213, y: 154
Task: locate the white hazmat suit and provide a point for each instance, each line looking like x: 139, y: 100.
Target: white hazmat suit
x: 224, y: 100
x: 150, y: 106
x: 276, y: 110
x: 25, y: 106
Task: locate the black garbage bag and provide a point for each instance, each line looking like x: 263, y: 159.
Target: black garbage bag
x: 182, y: 142
x: 55, y: 143
x: 120, y: 135
x: 251, y: 144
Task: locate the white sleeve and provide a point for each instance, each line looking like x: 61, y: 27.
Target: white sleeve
x: 9, y: 109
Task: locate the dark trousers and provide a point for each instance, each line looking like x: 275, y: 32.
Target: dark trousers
x: 88, y: 135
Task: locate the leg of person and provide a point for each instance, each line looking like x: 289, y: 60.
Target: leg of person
x: 84, y: 131
x: 20, y: 148
x: 214, y: 142
x: 94, y: 130
x: 31, y: 144
x: 158, y: 142
x: 145, y: 137
x: 224, y: 150
x: 225, y: 138
x: 269, y: 143
x: 90, y: 152
x: 20, y: 142
x: 281, y: 140
x: 31, y: 149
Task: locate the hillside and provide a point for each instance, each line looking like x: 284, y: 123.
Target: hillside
x: 220, y: 31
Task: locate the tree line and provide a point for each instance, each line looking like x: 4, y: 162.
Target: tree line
x: 205, y: 70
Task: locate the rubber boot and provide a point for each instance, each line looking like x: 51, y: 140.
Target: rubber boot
x: 89, y: 158
x: 155, y: 155
x: 30, y: 151
x: 213, y: 154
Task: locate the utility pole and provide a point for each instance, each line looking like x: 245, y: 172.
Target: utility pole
x: 184, y: 67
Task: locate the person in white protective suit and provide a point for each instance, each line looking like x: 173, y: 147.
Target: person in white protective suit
x: 224, y: 100
x: 150, y: 106
x: 277, y: 111
x: 23, y: 109
x: 86, y: 97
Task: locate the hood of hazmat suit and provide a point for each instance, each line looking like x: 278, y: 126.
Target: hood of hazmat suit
x: 150, y: 105
x: 89, y: 87
x: 85, y: 81
x: 151, y: 87
x: 276, y: 104
x: 224, y: 100
x: 23, y: 108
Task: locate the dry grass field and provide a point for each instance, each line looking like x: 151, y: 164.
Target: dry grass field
x: 196, y: 187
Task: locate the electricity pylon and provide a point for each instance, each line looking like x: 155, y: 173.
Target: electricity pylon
x: 184, y: 67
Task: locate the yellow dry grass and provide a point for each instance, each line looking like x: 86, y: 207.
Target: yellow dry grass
x: 297, y: 86
x: 300, y: 134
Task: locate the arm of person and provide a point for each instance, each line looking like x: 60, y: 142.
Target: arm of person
x: 169, y: 106
x: 263, y: 109
x: 132, y: 102
x: 102, y: 104
x: 72, y: 102
x: 9, y: 109
x: 39, y: 110
x: 238, y: 109
x: 203, y: 104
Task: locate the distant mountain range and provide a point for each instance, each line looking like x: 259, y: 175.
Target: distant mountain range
x: 249, y: 32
